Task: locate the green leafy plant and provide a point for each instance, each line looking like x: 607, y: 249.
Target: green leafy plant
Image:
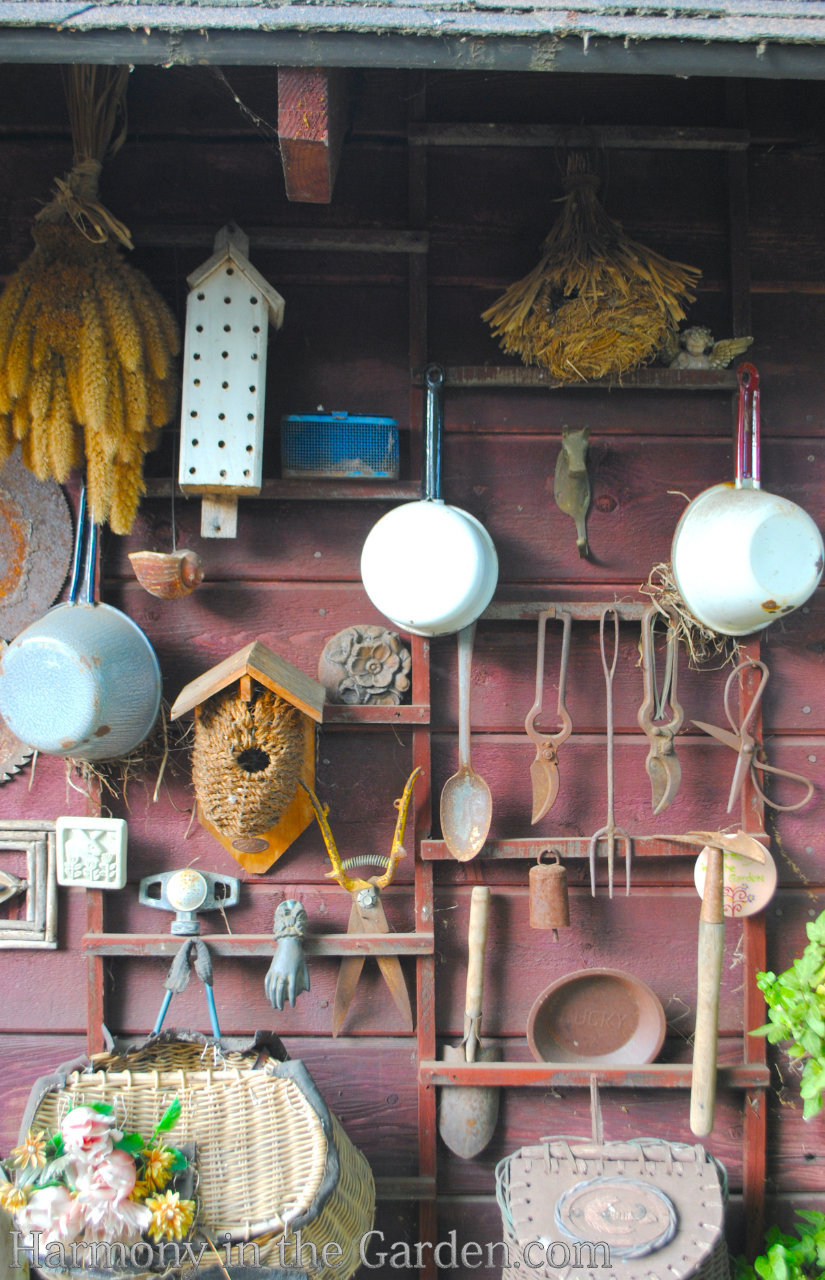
x: 790, y: 1257
x: 796, y: 1009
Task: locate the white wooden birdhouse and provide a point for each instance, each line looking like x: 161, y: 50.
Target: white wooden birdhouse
x: 254, y: 744
x: 228, y: 313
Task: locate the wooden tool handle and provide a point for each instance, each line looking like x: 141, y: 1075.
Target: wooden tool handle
x: 476, y: 945
x: 709, y: 977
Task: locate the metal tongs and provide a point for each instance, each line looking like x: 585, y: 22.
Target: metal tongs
x: 663, y: 768
x: 610, y: 833
x: 544, y: 771
x: 740, y: 738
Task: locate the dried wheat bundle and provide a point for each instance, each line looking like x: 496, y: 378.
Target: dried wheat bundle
x: 597, y: 303
x: 87, y: 345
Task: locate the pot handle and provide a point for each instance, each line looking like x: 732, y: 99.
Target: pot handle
x: 433, y: 427
x: 86, y: 534
x: 747, y: 429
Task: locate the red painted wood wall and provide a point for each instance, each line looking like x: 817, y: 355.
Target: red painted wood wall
x: 192, y: 162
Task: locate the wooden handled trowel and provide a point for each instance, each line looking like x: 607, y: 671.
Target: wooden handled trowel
x: 468, y: 1114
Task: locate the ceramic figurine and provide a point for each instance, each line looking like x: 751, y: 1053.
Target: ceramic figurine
x: 699, y: 351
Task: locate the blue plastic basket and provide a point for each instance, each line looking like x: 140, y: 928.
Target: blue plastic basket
x: 339, y: 446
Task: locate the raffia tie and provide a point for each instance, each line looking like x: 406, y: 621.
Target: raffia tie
x: 77, y: 198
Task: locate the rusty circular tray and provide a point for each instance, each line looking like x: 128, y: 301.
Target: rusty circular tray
x: 596, y: 1015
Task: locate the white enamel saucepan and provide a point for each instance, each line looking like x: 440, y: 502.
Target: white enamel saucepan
x: 429, y: 567
x: 83, y: 680
x: 742, y: 557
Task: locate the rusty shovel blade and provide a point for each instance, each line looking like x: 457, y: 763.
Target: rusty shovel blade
x: 468, y: 1115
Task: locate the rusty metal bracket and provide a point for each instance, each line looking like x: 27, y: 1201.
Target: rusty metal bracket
x: 571, y: 485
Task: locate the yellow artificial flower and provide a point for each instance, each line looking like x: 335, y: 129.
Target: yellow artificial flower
x: 172, y: 1217
x: 158, y: 1167
x: 12, y: 1198
x: 143, y: 1188
x: 31, y: 1152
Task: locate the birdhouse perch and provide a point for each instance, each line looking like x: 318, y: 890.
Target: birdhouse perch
x: 228, y: 313
x: 255, y: 718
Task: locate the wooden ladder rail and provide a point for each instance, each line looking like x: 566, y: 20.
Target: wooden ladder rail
x: 755, y: 1119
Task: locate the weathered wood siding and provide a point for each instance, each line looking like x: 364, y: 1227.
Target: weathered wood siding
x: 192, y: 162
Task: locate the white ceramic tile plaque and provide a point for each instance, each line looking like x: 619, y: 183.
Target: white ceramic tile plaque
x: 91, y: 852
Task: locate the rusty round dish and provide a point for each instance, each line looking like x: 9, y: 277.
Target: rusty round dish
x: 596, y: 1015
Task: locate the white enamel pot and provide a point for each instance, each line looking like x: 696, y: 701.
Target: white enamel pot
x: 429, y: 567
x: 83, y: 680
x: 742, y: 557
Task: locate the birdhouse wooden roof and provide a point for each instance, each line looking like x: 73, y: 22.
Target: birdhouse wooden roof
x: 231, y: 253
x: 261, y: 664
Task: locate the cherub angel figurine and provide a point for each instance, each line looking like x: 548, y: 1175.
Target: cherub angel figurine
x: 699, y: 350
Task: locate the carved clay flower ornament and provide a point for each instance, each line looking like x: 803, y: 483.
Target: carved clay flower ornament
x: 364, y: 665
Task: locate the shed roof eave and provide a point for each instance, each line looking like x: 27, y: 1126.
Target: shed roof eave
x: 630, y: 54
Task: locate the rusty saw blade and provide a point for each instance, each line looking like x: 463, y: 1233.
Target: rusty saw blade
x: 35, y: 545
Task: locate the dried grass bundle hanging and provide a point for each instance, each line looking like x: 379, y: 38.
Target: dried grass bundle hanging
x: 597, y: 303
x: 246, y: 760
x: 87, y: 345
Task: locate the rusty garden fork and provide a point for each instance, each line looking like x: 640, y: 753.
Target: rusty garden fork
x: 610, y: 833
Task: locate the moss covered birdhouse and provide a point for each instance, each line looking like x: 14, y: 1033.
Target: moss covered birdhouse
x: 255, y: 718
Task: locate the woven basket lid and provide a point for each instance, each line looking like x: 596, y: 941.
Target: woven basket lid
x: 622, y: 1195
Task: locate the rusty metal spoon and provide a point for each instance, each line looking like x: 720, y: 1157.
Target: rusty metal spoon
x: 466, y: 802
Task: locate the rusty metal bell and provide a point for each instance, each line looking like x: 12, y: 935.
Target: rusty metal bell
x: 549, y: 907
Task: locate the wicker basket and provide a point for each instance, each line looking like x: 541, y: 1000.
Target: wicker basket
x: 655, y: 1207
x: 271, y: 1160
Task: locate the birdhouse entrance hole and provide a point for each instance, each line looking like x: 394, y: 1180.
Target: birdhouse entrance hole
x: 252, y: 759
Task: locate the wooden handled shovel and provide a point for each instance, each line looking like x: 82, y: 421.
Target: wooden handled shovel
x: 468, y: 1114
x: 709, y: 978
x: 708, y: 982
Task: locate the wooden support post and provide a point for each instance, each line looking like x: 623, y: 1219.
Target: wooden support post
x: 313, y: 114
x: 755, y: 1118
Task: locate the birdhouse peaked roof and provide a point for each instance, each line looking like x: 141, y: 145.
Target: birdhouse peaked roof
x: 259, y: 662
x: 274, y: 301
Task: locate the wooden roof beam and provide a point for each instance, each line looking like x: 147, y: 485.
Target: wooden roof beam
x: 313, y: 115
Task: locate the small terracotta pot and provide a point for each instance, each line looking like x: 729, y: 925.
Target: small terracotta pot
x: 167, y: 574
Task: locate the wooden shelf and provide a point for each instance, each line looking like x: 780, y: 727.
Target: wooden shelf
x: 625, y: 137
x: 579, y: 610
x: 305, y: 490
x: 654, y: 1075
x: 312, y: 239
x: 568, y: 847
x: 336, y: 713
x: 652, y: 379
x: 259, y: 944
